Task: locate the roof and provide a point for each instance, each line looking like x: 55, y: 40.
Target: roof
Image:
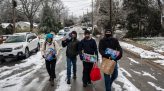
x: 28, y: 23
x: 23, y: 33
x: 5, y: 25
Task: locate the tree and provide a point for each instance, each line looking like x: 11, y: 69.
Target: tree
x: 48, y: 22
x: 30, y: 7
x: 143, y: 18
x: 103, y: 13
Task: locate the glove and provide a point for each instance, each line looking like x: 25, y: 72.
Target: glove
x: 43, y: 56
x: 81, y: 57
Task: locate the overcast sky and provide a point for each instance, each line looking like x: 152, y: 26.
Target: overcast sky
x: 78, y: 6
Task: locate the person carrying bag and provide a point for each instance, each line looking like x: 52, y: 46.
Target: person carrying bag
x: 95, y: 74
x: 111, y: 52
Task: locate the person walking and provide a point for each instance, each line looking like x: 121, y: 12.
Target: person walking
x: 109, y: 42
x: 71, y: 53
x: 50, y: 50
x: 87, y: 45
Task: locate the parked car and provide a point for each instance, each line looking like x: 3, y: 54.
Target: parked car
x: 66, y: 29
x: 61, y: 32
x: 19, y: 45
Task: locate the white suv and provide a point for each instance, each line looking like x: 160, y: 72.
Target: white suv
x: 19, y: 45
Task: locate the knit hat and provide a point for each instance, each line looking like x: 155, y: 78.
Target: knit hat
x: 74, y: 32
x: 49, y: 36
x: 87, y: 32
x: 108, y: 30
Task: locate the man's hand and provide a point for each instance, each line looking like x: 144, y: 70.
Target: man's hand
x: 81, y: 57
x: 63, y: 39
x: 43, y: 56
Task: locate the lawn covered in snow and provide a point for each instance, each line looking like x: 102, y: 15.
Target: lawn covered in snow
x: 156, y: 42
x: 143, y: 53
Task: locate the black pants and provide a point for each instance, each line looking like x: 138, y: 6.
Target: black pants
x: 87, y: 67
x: 50, y: 66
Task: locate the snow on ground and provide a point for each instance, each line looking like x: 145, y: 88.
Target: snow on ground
x: 125, y: 72
x: 126, y: 83
x: 16, y: 81
x: 62, y: 85
x: 132, y: 60
x: 143, y: 53
x: 156, y: 42
x: 148, y: 74
x: 156, y: 87
x: 139, y: 73
x: 161, y: 62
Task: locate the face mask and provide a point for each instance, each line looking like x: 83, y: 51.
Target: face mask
x: 108, y: 35
x: 87, y: 37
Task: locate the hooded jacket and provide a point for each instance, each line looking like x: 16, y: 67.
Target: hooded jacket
x: 109, y: 42
x: 72, y: 47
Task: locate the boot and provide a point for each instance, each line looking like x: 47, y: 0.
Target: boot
x: 84, y: 85
x: 52, y: 82
x: 68, y: 81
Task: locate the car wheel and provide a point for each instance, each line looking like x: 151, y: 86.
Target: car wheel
x: 2, y: 61
x: 27, y: 53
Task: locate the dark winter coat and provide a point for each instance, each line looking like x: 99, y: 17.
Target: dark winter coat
x: 88, y: 46
x: 109, y: 43
x: 72, y: 47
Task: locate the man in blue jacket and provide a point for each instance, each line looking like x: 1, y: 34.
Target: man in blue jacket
x: 87, y: 45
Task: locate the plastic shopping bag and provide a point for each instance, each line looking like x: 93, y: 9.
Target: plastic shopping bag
x: 95, y: 74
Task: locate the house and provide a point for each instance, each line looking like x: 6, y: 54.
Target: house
x: 25, y: 25
x: 5, y: 25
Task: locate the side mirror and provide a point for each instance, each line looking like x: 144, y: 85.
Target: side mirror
x: 29, y: 40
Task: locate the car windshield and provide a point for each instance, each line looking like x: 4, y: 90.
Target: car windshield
x: 66, y: 29
x: 13, y: 39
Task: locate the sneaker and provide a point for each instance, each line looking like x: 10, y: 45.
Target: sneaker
x: 84, y: 85
x: 68, y: 82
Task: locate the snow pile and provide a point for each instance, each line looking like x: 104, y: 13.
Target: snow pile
x: 62, y: 85
x: 160, y: 62
x: 156, y: 87
x: 143, y: 53
x: 16, y: 81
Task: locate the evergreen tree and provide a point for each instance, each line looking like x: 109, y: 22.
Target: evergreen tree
x: 143, y: 20
x: 48, y: 23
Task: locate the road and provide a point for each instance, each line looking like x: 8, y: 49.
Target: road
x: 135, y: 74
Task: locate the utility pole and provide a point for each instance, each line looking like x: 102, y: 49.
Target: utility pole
x: 92, y: 16
x: 72, y: 15
x: 111, y: 15
x: 14, y: 5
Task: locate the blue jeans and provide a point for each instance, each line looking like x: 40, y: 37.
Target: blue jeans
x: 110, y: 78
x: 70, y: 62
